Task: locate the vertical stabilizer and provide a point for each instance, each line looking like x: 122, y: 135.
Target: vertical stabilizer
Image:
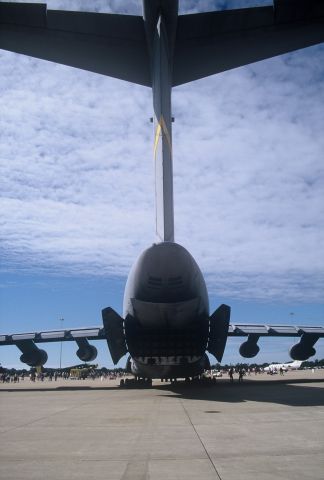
x: 162, y: 149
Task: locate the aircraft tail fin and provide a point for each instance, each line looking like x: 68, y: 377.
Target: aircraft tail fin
x: 296, y: 363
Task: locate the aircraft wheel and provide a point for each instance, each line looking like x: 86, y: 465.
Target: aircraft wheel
x: 122, y: 383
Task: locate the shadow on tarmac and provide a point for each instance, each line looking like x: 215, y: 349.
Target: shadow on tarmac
x: 286, y: 392
x: 72, y: 388
x: 296, y: 393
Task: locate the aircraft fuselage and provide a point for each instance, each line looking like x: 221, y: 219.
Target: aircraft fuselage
x: 166, y: 314
x: 166, y: 307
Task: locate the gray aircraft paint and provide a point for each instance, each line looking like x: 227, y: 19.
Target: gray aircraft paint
x: 165, y: 293
x: 160, y: 18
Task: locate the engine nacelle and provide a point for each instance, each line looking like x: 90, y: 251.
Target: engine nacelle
x: 305, y: 348
x: 31, y: 354
x: 249, y: 349
x: 301, y: 352
x: 86, y: 352
x: 34, y: 358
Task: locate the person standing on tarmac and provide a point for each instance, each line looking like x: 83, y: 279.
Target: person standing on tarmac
x: 241, y: 375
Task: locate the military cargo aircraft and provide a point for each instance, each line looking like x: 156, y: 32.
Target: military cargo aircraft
x: 166, y: 327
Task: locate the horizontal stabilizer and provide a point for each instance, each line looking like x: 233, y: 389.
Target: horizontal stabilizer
x: 218, y: 331
x: 110, y: 44
x: 210, y: 43
x: 116, y: 45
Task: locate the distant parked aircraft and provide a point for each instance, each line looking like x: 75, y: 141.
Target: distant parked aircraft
x: 166, y: 326
x: 275, y: 367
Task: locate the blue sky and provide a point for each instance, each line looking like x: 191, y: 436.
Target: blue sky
x: 77, y: 191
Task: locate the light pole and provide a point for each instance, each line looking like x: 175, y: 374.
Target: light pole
x: 61, y: 325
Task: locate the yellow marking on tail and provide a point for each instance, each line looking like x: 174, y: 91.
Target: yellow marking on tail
x: 161, y: 126
x: 157, y: 137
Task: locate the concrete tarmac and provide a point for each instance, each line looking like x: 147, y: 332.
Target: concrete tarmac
x: 268, y: 428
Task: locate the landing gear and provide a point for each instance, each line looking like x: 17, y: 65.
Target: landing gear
x: 136, y: 382
x: 200, y: 380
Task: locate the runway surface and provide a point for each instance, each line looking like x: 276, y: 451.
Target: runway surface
x: 268, y: 428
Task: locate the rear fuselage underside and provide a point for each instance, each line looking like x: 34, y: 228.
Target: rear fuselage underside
x: 166, y: 313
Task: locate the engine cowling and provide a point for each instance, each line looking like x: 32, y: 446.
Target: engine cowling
x: 249, y: 349
x: 301, y: 352
x: 87, y: 353
x: 305, y: 347
x: 35, y: 358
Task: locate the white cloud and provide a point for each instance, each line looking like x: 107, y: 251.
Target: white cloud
x: 77, y: 172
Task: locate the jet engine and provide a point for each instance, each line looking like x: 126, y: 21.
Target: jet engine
x: 301, y: 352
x: 86, y: 352
x: 249, y: 348
x: 31, y: 354
x: 34, y: 359
x: 304, y: 348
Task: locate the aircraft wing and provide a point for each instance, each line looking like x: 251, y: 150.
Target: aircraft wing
x: 113, y: 45
x: 112, y: 332
x: 35, y: 356
x: 209, y: 43
x: 91, y: 333
x: 261, y: 330
x: 300, y: 351
x: 100, y: 333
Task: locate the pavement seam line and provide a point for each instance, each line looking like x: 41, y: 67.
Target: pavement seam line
x: 150, y: 422
x: 200, y: 440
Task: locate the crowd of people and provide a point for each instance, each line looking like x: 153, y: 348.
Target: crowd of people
x: 54, y: 375
x: 6, y: 377
x: 91, y: 372
x: 240, y: 371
